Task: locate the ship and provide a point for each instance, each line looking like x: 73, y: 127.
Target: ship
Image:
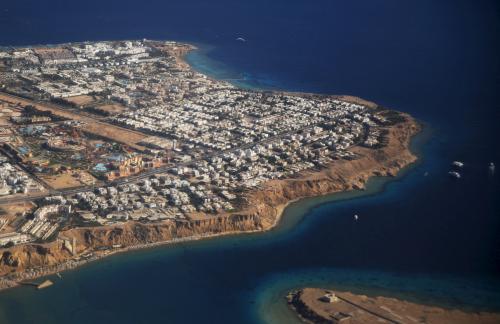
x: 454, y: 174
x: 457, y: 164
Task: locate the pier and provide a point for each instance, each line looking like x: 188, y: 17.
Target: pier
x: 42, y: 285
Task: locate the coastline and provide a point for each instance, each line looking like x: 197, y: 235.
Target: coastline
x: 422, y: 236
x: 265, y: 213
x: 72, y: 264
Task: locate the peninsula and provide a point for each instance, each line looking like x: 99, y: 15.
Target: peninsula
x: 315, y: 305
x: 112, y: 146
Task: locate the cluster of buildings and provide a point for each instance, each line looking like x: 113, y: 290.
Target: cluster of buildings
x: 158, y: 198
x: 46, y: 219
x: 211, y: 140
x: 222, y: 119
x: 42, y: 224
x: 14, y: 238
x: 123, y: 71
x: 14, y: 180
x: 131, y: 165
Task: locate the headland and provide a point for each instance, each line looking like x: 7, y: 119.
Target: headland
x: 164, y: 153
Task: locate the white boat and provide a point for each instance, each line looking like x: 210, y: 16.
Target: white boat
x: 492, y: 167
x: 241, y: 39
x: 454, y: 174
x: 457, y: 164
x: 356, y: 217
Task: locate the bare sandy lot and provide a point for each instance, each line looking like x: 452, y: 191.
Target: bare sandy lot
x: 9, y: 212
x: 67, y: 180
x: 112, y: 109
x: 81, y: 100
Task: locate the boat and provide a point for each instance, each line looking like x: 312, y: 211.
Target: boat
x: 356, y: 217
x: 59, y: 275
x: 241, y: 39
x: 458, y: 164
x: 454, y: 174
x: 492, y: 167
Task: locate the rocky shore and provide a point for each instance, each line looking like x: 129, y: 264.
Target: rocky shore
x: 260, y: 211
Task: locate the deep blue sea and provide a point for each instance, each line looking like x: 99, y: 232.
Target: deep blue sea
x: 424, y: 238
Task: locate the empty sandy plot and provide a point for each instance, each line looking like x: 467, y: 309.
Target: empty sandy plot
x: 65, y: 180
x: 81, y: 100
x: 9, y: 210
x: 112, y: 109
x: 9, y: 213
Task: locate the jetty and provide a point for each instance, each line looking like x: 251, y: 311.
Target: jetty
x: 42, y: 285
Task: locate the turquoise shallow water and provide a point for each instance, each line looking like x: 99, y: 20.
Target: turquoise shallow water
x: 201, y: 60
x: 427, y: 238
x: 251, y: 274
x: 445, y: 291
